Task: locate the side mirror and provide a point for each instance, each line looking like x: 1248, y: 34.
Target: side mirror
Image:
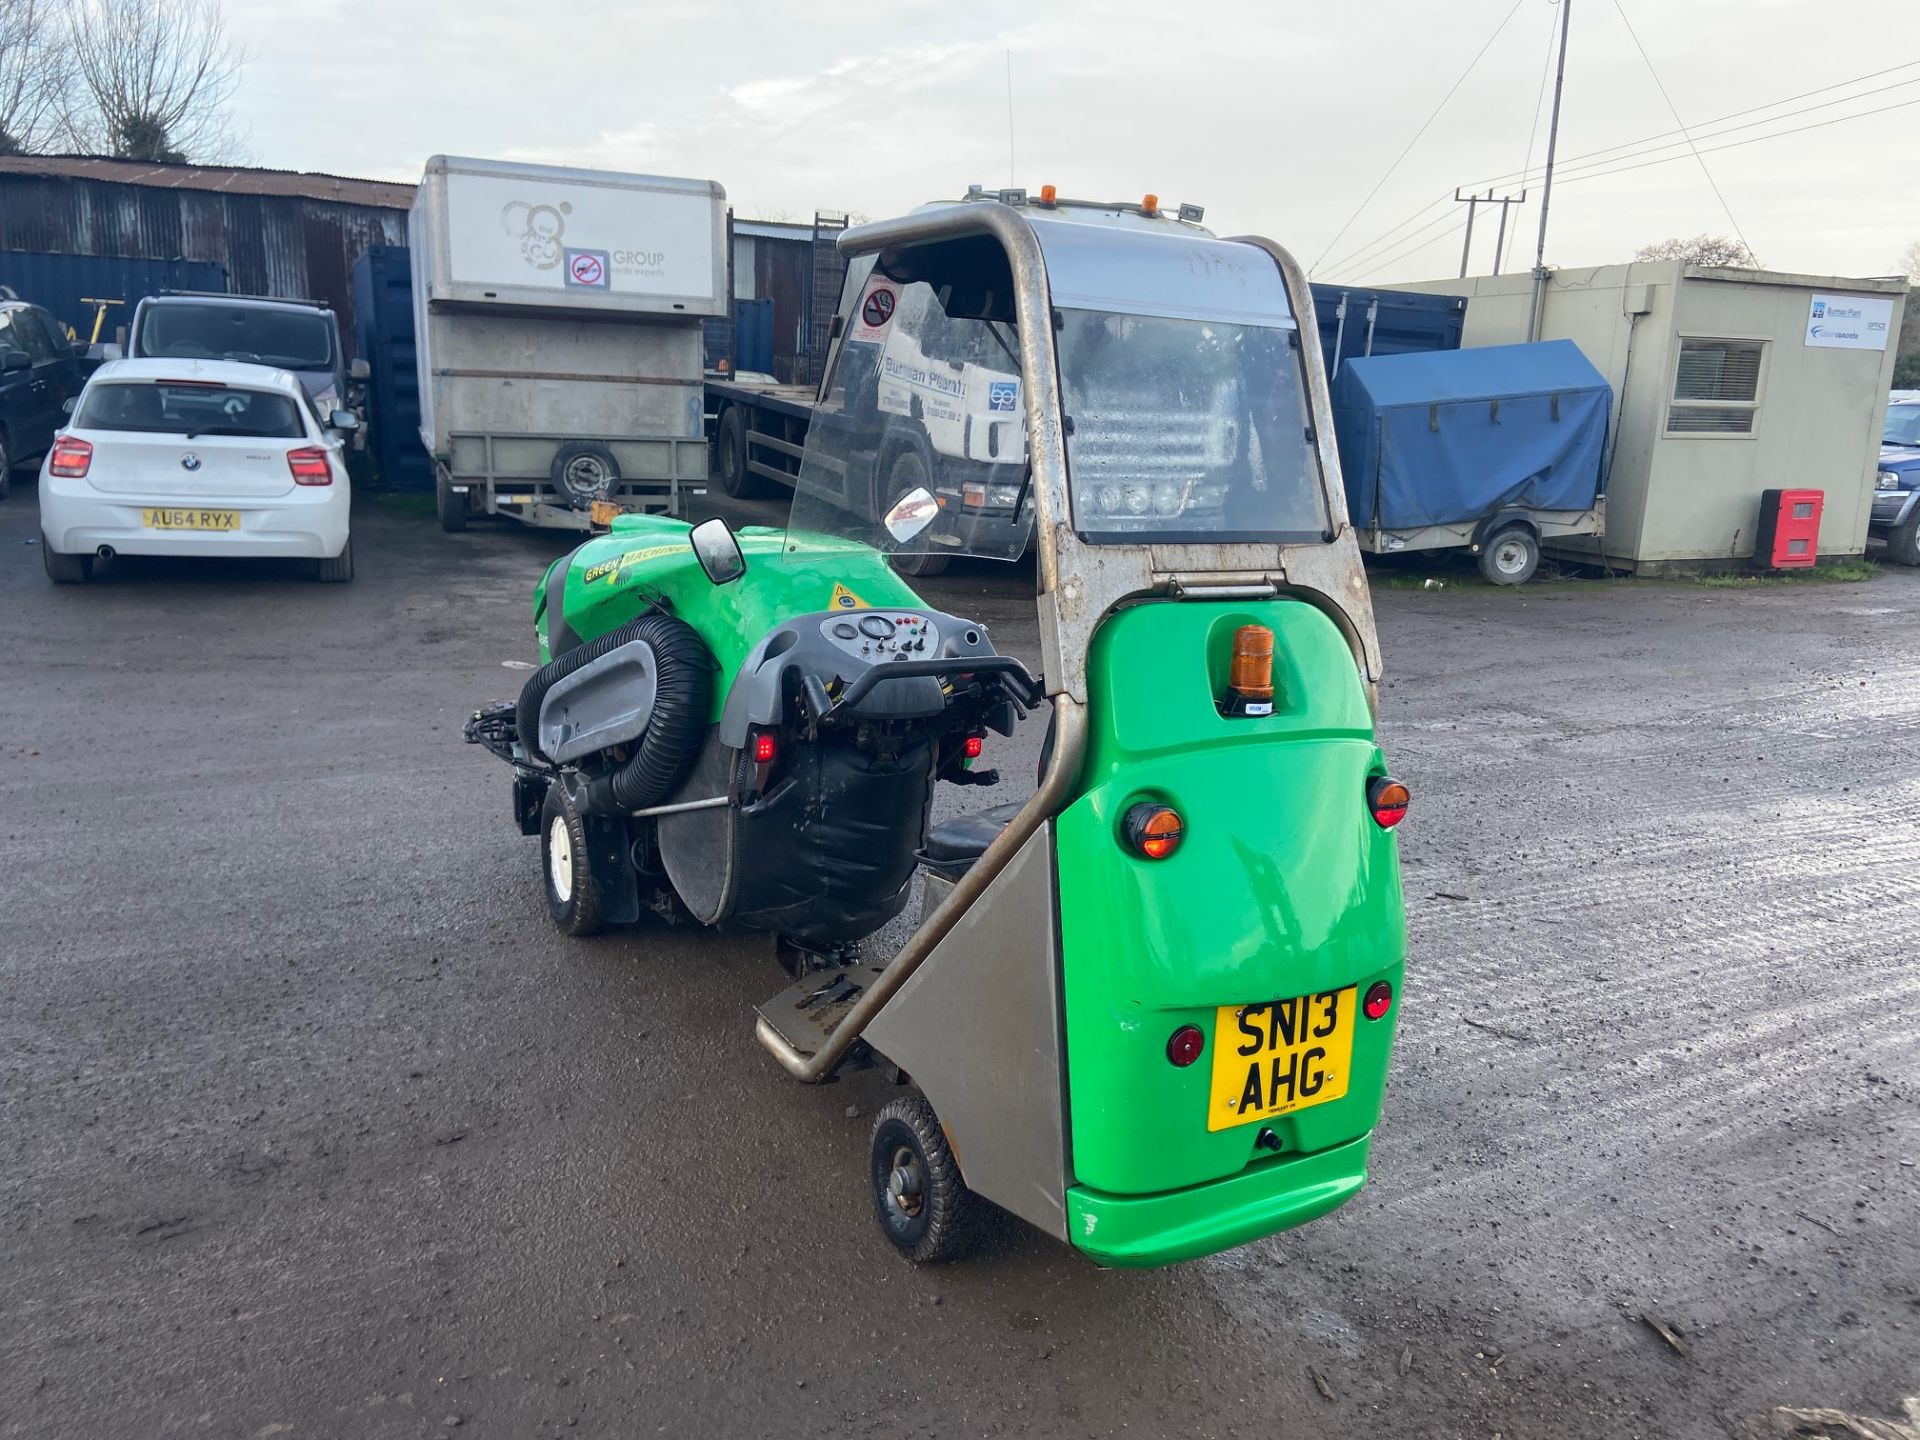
x: 67, y: 405
x: 345, y: 421
x: 911, y: 513
x: 718, y: 552
x: 11, y: 360
x: 359, y: 370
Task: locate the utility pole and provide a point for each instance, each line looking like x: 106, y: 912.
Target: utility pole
x: 1472, y: 202
x: 1546, y: 190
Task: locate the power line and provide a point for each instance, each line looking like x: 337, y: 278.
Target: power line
x: 1520, y: 176
x: 1417, y: 134
x: 1750, y: 140
x: 1606, y: 160
x: 1398, y: 256
x: 1672, y: 110
x: 1645, y: 145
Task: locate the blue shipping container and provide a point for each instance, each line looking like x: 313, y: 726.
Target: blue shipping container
x: 65, y: 284
x: 383, y: 325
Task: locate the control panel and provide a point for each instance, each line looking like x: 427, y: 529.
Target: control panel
x: 872, y: 635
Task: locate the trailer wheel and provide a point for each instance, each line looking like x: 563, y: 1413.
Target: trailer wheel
x: 584, y: 471
x: 451, y: 505
x: 922, y: 1203
x: 735, y: 478
x: 1510, y: 557
x: 1903, y: 544
x: 573, y: 900
x: 909, y: 472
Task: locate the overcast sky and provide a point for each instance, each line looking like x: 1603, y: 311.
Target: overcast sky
x: 1279, y: 117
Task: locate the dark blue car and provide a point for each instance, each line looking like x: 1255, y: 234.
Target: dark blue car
x: 1896, y: 496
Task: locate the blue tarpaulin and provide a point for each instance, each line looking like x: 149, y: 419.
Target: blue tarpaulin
x: 1452, y: 436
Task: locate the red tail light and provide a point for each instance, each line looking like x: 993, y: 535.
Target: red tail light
x: 1388, y: 800
x: 309, y: 466
x: 1185, y: 1044
x: 975, y: 744
x: 70, y: 458
x: 765, y: 747
x: 1379, y: 1000
x: 1153, y: 830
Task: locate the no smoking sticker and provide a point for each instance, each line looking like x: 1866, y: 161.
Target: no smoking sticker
x: 586, y: 269
x: 876, y: 309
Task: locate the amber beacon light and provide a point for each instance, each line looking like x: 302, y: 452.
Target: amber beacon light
x: 1250, y: 679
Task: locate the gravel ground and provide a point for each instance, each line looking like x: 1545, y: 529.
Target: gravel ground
x: 311, y: 1126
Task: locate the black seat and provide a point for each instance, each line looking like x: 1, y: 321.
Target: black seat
x: 954, y: 844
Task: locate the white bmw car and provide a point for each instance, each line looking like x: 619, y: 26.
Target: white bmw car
x: 195, y: 457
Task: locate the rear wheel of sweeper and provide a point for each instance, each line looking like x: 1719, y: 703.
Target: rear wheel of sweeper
x: 573, y: 900
x: 922, y: 1203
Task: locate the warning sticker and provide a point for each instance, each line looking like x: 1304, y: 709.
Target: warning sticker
x: 587, y: 269
x: 845, y: 599
x: 876, y: 309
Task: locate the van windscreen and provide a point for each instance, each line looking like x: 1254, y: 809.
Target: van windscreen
x: 288, y: 339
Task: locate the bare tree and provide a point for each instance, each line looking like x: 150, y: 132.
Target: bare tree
x: 156, y: 76
x: 1702, y: 250
x: 1910, y: 263
x: 33, y: 75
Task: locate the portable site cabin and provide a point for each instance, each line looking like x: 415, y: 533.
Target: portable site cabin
x: 1727, y: 383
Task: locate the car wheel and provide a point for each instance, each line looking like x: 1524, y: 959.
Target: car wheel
x: 1903, y: 544
x: 1510, y: 557
x: 919, y: 1198
x: 909, y: 472
x: 735, y: 478
x: 6, y: 469
x: 337, y: 569
x: 451, y: 505
x: 573, y: 900
x: 65, y: 569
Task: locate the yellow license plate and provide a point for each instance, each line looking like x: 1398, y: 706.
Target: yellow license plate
x: 190, y: 519
x: 1271, y: 1060
x: 601, y: 512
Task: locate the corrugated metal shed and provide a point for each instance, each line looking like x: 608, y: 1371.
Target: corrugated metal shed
x: 276, y: 232
x: 63, y: 284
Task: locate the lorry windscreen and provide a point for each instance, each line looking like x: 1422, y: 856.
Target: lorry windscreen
x: 1187, y: 431
x: 288, y: 339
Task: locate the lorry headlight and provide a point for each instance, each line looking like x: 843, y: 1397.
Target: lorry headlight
x: 1888, y: 480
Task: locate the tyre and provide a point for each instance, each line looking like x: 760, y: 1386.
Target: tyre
x: 451, y: 504
x: 584, y: 471
x: 1903, y: 543
x: 338, y: 569
x: 573, y: 900
x: 918, y: 1196
x: 735, y: 478
x: 65, y: 569
x: 909, y: 472
x: 1510, y: 557
x: 6, y: 468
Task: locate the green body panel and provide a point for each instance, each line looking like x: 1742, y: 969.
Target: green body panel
x: 645, y: 558
x: 1282, y: 886
x: 1274, y: 1194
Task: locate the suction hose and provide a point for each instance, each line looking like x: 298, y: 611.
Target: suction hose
x: 683, y: 697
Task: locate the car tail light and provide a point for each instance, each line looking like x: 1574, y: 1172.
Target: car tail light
x: 975, y: 744
x: 1153, y: 830
x: 309, y: 466
x: 1185, y: 1044
x: 765, y: 747
x: 1379, y: 1000
x: 1388, y: 800
x: 70, y: 458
